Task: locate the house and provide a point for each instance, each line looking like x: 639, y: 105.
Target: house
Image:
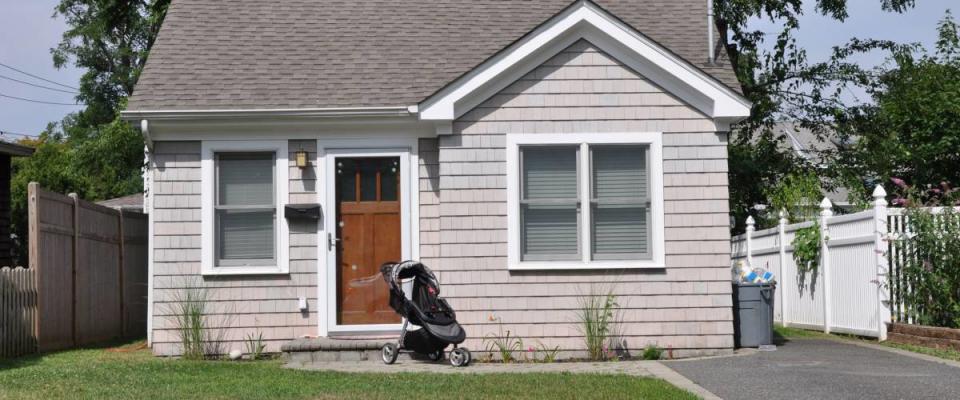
x: 7, y: 152
x: 524, y: 150
x: 816, y: 150
x: 130, y: 202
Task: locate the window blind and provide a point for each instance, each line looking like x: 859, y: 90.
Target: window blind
x: 245, y: 209
x: 620, y: 202
x: 549, y: 204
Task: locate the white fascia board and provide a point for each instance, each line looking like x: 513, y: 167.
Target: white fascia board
x: 587, y: 21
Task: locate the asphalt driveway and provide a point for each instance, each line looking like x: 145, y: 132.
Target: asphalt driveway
x: 823, y: 369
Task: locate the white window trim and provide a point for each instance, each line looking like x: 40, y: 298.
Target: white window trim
x: 652, y: 139
x: 207, y: 218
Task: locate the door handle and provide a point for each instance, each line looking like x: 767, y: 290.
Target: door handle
x: 331, y: 242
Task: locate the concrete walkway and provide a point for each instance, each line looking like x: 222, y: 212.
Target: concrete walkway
x: 825, y: 369
x: 634, y: 368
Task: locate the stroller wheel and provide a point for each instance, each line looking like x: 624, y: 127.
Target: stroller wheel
x: 436, y: 356
x: 389, y: 353
x: 460, y: 357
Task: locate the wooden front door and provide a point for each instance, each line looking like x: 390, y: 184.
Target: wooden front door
x: 368, y: 226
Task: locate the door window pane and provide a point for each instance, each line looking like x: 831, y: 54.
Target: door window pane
x: 346, y: 180
x: 389, y: 179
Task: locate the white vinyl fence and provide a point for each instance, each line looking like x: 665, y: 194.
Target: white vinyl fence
x: 848, y: 292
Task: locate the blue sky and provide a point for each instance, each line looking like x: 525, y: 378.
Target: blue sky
x: 27, y: 32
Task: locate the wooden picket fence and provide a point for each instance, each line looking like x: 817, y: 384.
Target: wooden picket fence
x: 87, y: 281
x: 18, y: 311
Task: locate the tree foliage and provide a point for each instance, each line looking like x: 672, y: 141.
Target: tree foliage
x: 782, y: 85
x: 911, y: 128
x: 92, y: 152
x: 110, y: 39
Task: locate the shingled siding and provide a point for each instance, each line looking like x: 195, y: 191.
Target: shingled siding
x: 686, y: 306
x: 241, y: 305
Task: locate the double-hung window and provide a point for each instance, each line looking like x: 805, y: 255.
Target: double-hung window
x: 244, y: 188
x: 246, y: 211
x: 585, y: 201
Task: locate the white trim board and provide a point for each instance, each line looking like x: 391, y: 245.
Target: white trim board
x: 653, y: 139
x: 587, y: 21
x: 207, y: 190
x: 327, y: 151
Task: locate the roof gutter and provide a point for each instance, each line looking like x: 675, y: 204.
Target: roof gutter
x: 268, y: 113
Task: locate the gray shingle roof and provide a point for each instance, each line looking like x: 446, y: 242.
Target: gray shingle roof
x: 242, y: 54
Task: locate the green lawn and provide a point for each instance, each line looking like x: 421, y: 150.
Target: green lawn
x: 105, y: 373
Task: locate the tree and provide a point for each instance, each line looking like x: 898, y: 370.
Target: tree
x: 782, y: 85
x: 111, y: 40
x: 911, y: 128
x: 92, y: 153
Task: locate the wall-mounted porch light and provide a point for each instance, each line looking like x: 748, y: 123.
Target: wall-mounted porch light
x: 301, y: 158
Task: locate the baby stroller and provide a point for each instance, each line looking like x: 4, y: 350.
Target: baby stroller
x: 423, y: 307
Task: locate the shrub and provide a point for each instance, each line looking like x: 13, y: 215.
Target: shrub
x: 930, y: 255
x: 652, y: 352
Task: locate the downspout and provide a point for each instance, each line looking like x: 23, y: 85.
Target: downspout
x: 148, y: 209
x: 710, y: 44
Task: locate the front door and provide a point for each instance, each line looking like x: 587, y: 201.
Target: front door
x: 368, y: 225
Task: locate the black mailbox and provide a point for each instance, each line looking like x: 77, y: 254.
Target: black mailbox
x: 302, y: 212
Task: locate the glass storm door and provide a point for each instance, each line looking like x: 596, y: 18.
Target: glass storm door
x: 369, y: 228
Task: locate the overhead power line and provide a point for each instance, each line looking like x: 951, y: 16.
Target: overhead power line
x: 6, y: 133
x: 36, y: 85
x: 41, y: 101
x: 37, y: 77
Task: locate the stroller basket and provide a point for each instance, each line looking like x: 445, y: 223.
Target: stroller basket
x: 422, y: 307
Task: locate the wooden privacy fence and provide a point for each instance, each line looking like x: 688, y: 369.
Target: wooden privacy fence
x: 90, y: 267
x: 848, y: 292
x: 18, y: 311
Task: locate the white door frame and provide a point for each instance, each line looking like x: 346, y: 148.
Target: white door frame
x: 327, y: 152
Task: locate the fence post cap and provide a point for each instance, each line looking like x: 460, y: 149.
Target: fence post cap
x: 879, y: 194
x: 750, y: 220
x: 826, y: 204
x: 826, y: 208
x: 782, y: 214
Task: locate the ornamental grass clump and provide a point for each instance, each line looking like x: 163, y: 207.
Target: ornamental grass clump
x: 598, y: 320
x: 201, y: 335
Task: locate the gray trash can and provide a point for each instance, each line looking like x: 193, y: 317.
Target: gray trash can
x: 753, y: 314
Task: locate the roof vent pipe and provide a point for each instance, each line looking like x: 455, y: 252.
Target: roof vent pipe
x: 710, y: 43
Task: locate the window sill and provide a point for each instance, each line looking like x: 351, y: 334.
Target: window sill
x: 228, y: 271
x: 579, y: 265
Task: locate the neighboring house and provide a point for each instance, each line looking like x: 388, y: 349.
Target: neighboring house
x: 132, y: 202
x: 524, y: 150
x: 808, y: 146
x: 7, y: 152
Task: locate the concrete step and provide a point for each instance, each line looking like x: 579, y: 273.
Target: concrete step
x: 305, y: 351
